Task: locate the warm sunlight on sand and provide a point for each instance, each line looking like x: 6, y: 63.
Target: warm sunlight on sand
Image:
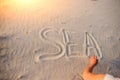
x: 25, y: 1
x: 22, y: 3
x: 26, y: 9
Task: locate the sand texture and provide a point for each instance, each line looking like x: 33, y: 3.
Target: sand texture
x: 53, y: 39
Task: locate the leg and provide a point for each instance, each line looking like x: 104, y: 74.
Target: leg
x: 88, y: 75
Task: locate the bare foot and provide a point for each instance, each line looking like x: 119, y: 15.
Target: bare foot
x: 93, y: 60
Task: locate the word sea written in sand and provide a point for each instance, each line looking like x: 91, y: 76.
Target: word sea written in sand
x: 66, y: 48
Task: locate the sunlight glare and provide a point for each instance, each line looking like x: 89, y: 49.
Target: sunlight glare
x: 24, y: 2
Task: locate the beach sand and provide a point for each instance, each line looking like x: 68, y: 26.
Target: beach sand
x: 53, y: 39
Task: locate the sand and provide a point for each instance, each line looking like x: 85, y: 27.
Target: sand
x: 53, y: 39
